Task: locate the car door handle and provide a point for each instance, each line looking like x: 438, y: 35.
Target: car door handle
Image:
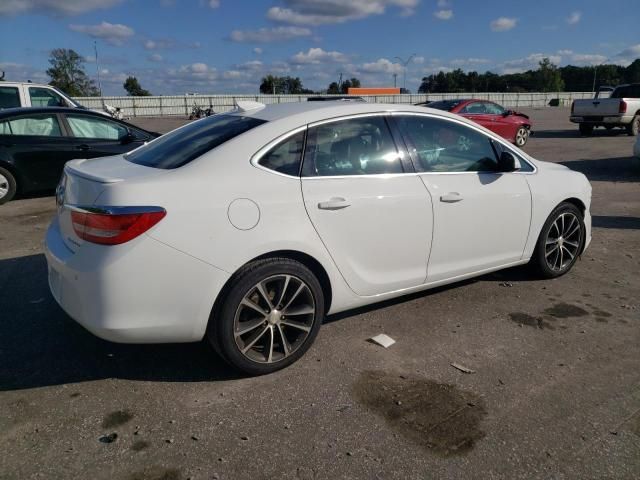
x: 334, y: 203
x: 451, y: 197
x: 83, y: 147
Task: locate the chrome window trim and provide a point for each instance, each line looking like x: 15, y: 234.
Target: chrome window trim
x: 256, y: 157
x: 492, y: 136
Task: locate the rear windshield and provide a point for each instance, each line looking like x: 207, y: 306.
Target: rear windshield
x: 628, y: 91
x: 445, y: 105
x: 181, y: 146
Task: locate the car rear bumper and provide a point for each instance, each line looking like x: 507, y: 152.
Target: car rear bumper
x: 601, y: 119
x: 140, y: 292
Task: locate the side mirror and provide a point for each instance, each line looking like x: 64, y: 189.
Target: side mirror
x: 506, y: 113
x: 128, y: 137
x: 508, y: 162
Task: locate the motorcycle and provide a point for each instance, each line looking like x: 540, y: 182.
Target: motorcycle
x: 115, y: 112
x: 198, y: 112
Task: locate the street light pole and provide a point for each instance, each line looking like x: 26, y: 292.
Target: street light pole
x: 95, y: 48
x: 405, y: 63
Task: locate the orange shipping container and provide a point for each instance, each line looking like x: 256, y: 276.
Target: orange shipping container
x: 374, y: 91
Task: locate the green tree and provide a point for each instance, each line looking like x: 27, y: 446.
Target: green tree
x: 133, y: 88
x: 282, y: 85
x: 349, y: 83
x: 67, y: 74
x: 632, y: 72
x: 333, y: 88
x: 548, y: 78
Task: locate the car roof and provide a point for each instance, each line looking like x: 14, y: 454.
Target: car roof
x: 309, y: 112
x: 7, y: 83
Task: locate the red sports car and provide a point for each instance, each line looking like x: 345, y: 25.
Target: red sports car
x: 514, y: 126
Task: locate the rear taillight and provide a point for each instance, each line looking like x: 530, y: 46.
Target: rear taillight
x: 114, y: 225
x: 622, y: 108
x: 573, y: 104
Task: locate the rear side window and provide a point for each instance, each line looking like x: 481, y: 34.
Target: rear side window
x: 285, y: 157
x: 41, y: 125
x: 9, y: 97
x: 181, y: 146
x: 445, y: 105
x: 358, y: 146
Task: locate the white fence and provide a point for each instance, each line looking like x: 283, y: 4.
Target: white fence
x: 182, y: 104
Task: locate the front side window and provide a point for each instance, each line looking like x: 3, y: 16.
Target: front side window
x: 358, y: 146
x: 84, y: 126
x: 45, y: 97
x: 185, y: 144
x: 494, y: 108
x: 286, y: 156
x: 9, y: 97
x: 445, y: 146
x: 42, y: 125
x: 474, y: 108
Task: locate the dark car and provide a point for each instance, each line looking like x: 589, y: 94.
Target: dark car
x: 513, y: 126
x: 35, y: 143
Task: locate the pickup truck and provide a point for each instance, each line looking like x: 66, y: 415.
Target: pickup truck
x: 621, y: 109
x: 27, y: 94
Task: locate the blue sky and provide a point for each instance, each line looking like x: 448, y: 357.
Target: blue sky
x: 226, y: 46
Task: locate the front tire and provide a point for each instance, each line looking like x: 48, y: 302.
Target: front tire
x: 560, y: 242
x: 8, y: 186
x: 522, y: 135
x: 634, y: 126
x: 270, y: 316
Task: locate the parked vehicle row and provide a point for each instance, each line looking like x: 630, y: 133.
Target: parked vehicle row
x: 247, y: 228
x: 514, y: 126
x: 35, y: 143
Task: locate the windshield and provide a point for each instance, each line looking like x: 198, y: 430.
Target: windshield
x: 181, y: 146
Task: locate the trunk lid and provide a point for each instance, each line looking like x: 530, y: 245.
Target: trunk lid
x: 82, y: 183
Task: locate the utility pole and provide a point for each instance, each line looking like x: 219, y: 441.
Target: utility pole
x: 405, y: 63
x: 340, y: 83
x: 595, y: 69
x: 95, y: 48
x: 395, y: 78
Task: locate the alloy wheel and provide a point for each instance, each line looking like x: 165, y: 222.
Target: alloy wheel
x: 562, y: 244
x: 521, y: 136
x: 4, y: 186
x: 274, y: 318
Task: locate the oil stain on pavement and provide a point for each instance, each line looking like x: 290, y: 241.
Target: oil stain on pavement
x: 117, y: 418
x: 530, y: 321
x: 565, y: 310
x: 156, y: 473
x: 437, y: 416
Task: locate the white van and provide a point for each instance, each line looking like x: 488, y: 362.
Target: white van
x: 24, y: 94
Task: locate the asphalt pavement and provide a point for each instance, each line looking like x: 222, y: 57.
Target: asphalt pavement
x: 555, y: 391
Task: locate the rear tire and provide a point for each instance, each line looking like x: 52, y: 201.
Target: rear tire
x: 585, y: 129
x: 8, y: 186
x: 269, y: 317
x: 634, y: 126
x: 560, y: 242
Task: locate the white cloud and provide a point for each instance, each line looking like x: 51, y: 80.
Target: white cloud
x: 55, y: 7
x: 214, y: 3
x: 574, y: 18
x: 251, y: 65
x: 322, y: 12
x: 156, y: 57
x: 382, y: 65
x: 418, y: 60
x: 565, y: 52
x: 588, y: 59
x: 443, y: 14
x: 628, y: 55
x: 444, y: 3
x: 529, y: 62
x: 257, y: 51
x: 503, y: 24
x: 113, y: 33
x: 466, y: 62
x: 317, y: 56
x: 266, y: 35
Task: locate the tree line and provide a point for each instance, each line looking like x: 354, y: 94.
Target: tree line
x: 546, y: 78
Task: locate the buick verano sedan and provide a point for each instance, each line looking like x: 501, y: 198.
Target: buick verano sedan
x: 247, y: 228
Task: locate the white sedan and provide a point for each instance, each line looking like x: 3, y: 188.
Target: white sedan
x: 247, y: 228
